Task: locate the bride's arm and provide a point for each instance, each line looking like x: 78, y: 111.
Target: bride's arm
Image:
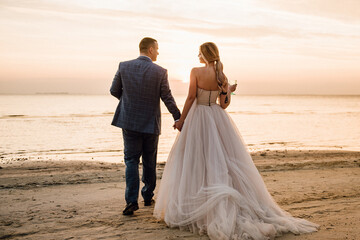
x: 223, y: 97
x: 230, y: 89
x: 190, y: 98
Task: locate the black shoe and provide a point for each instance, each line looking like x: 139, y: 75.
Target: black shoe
x: 130, y: 208
x: 149, y: 203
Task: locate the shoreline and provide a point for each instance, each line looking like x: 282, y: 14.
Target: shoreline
x: 84, y: 199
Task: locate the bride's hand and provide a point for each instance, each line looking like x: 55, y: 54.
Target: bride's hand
x: 178, y: 125
x: 232, y: 88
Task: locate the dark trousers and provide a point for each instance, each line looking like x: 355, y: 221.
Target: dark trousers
x: 138, y: 144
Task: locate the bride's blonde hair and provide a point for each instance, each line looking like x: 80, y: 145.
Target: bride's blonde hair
x: 210, y: 53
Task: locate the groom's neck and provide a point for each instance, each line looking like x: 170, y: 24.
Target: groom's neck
x: 145, y: 55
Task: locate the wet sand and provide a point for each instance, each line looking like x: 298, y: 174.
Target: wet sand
x: 84, y: 200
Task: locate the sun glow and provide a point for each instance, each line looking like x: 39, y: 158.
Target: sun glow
x: 183, y: 69
x: 184, y: 76
x: 180, y: 55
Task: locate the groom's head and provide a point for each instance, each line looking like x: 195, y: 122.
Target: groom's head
x: 149, y: 47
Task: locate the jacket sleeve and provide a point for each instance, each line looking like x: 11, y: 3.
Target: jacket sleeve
x: 167, y: 98
x: 116, y: 87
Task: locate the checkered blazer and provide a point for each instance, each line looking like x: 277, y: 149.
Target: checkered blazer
x: 139, y: 84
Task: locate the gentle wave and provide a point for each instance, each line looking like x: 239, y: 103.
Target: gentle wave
x: 62, y: 151
x: 12, y: 116
x: 274, y: 143
x: 57, y: 116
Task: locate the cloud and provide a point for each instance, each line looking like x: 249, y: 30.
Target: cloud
x: 343, y: 10
x: 242, y: 31
x: 62, y: 7
x: 334, y: 35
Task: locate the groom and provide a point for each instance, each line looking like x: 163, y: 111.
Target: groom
x: 139, y: 84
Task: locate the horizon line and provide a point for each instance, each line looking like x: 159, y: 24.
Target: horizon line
x: 243, y: 94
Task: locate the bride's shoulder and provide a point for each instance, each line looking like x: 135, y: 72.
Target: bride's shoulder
x: 196, y: 70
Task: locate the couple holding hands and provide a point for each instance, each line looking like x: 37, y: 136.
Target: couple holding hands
x: 210, y: 184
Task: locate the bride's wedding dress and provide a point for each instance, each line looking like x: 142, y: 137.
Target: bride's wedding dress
x: 211, y: 185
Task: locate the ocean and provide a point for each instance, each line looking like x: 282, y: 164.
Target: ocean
x: 78, y: 127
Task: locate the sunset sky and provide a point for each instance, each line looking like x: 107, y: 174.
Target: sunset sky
x: 268, y: 46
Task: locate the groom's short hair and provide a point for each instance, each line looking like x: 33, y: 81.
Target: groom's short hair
x: 146, y: 43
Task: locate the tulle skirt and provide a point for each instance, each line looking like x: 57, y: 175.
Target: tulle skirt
x: 211, y: 186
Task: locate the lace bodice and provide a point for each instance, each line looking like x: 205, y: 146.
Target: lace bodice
x: 206, y: 97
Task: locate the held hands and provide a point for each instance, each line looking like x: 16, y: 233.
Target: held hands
x: 178, y: 125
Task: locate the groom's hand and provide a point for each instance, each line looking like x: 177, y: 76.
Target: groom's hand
x: 178, y: 125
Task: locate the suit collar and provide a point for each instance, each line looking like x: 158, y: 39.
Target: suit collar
x: 146, y: 58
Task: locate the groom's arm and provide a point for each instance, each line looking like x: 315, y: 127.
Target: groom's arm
x: 167, y: 98
x: 116, y: 87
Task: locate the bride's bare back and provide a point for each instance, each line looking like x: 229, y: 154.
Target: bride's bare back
x: 206, y: 78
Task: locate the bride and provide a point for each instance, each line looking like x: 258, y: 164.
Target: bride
x: 210, y: 184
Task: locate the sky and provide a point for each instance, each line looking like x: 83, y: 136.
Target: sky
x: 268, y: 46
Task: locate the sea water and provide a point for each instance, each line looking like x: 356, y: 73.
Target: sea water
x: 78, y: 127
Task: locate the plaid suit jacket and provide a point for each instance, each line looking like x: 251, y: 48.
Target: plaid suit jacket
x: 139, y: 85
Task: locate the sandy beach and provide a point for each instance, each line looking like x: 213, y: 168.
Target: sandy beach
x: 84, y: 200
